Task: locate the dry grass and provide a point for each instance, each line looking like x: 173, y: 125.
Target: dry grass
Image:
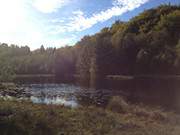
x: 120, y: 118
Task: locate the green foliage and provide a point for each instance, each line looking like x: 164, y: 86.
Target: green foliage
x: 65, y: 59
x: 20, y: 60
x: 146, y: 44
x: 6, y: 72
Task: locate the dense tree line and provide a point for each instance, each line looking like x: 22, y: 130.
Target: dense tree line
x: 147, y: 44
x: 15, y: 60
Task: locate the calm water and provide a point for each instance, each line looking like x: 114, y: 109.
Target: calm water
x: 68, y: 94
x: 165, y: 94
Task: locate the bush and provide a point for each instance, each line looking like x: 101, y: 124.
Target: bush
x: 118, y: 104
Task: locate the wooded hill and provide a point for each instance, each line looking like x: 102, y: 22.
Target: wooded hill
x: 147, y: 44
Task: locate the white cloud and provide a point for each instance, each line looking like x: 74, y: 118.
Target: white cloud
x: 119, y: 7
x: 49, y: 6
x: 80, y: 22
x: 19, y: 24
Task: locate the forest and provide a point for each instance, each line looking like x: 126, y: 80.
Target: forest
x: 147, y: 44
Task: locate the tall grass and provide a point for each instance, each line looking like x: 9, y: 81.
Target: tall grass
x: 120, y: 118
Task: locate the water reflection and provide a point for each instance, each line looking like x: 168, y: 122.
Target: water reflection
x: 67, y: 94
x: 54, y: 100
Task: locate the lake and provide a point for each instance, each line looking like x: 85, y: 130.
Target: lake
x: 68, y: 94
x: 154, y: 91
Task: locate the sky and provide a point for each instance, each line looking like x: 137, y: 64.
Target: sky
x: 57, y: 23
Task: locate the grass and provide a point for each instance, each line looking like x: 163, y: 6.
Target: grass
x: 26, y: 118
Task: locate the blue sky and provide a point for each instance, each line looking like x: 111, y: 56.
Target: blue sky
x: 56, y: 23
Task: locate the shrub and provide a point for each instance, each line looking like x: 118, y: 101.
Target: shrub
x: 118, y: 104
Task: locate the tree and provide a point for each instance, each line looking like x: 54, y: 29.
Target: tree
x: 42, y: 50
